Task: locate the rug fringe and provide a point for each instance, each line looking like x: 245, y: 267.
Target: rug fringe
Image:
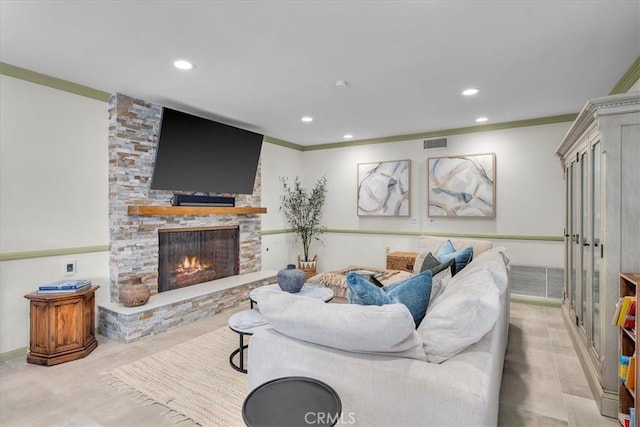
x: 177, y: 417
x: 159, y: 379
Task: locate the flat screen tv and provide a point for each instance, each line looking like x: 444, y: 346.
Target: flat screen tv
x: 200, y: 155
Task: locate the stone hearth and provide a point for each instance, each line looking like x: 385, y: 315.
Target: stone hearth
x: 168, y: 310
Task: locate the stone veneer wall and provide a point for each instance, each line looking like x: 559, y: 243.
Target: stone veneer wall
x: 130, y: 327
x: 134, y: 127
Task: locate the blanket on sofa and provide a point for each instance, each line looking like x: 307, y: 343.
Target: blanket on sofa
x: 336, y: 280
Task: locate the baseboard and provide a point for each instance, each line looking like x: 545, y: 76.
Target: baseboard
x: 528, y: 299
x: 13, y: 353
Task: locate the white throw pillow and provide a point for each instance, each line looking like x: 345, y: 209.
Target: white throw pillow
x: 495, y: 262
x: 464, y: 313
x: 387, y: 329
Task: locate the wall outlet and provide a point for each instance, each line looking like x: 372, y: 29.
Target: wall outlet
x: 387, y: 250
x: 69, y: 268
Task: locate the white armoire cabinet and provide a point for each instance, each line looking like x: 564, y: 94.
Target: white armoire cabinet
x: 601, y: 159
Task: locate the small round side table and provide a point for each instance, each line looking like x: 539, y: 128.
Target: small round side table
x: 292, y: 401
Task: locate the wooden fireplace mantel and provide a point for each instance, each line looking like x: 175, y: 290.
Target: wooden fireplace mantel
x: 149, y: 210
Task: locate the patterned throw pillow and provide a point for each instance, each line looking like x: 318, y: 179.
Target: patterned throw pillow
x: 461, y: 257
x: 413, y: 292
x: 438, y: 285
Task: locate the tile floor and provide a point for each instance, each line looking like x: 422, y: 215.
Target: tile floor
x: 542, y: 382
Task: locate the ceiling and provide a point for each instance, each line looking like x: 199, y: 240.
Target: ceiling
x: 262, y: 65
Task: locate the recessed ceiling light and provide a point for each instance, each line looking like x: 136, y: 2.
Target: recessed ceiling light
x: 470, y: 91
x: 183, y: 65
x: 307, y: 119
x: 348, y: 136
x: 481, y: 119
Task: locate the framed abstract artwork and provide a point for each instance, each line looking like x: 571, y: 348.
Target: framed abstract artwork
x: 383, y: 188
x: 462, y: 186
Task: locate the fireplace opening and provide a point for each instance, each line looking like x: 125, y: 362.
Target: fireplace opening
x: 188, y: 256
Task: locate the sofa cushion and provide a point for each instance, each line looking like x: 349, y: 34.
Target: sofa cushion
x: 387, y: 329
x: 496, y: 262
x: 433, y: 243
x: 414, y: 292
x: 448, y: 252
x: 464, y: 313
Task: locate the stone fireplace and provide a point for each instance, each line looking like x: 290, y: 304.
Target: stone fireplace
x: 135, y: 235
x: 191, y: 256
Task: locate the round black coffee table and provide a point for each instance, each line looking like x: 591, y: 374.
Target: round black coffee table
x: 292, y: 401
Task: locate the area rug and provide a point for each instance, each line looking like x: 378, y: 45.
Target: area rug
x: 193, y: 380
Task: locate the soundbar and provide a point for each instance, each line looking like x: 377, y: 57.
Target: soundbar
x: 189, y: 200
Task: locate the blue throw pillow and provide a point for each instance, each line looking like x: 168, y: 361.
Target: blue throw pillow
x: 413, y: 292
x: 462, y: 257
x: 372, y: 279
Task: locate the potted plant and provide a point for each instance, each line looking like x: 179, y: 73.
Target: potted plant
x: 302, y: 211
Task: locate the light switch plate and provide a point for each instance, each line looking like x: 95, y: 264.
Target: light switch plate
x: 69, y: 268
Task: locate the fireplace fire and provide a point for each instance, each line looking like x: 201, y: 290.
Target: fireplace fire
x: 191, y: 256
x: 191, y: 271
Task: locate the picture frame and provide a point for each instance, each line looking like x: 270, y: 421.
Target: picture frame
x: 384, y: 188
x: 462, y: 186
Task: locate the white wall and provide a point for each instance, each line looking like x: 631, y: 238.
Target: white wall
x: 53, y: 194
x: 278, y: 162
x: 53, y: 168
x: 529, y: 196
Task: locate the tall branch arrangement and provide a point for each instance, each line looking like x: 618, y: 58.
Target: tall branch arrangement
x: 302, y: 211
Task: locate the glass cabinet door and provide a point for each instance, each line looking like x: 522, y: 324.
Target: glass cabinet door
x: 583, y: 241
x: 573, y: 199
x: 596, y: 245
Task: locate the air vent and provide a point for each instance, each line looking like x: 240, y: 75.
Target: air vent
x: 435, y: 143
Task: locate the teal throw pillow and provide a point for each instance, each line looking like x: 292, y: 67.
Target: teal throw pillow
x: 414, y: 292
x: 461, y: 257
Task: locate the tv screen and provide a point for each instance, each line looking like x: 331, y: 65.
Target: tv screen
x: 200, y: 155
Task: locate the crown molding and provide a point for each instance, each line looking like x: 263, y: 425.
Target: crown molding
x: 52, y: 82
x: 64, y: 85
x: 448, y: 132
x: 628, y: 79
x: 89, y: 92
x: 283, y: 143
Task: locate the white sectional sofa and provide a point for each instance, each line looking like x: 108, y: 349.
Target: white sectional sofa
x: 373, y: 364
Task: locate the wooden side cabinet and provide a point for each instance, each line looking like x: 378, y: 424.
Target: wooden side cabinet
x: 62, y: 326
x: 401, y: 261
